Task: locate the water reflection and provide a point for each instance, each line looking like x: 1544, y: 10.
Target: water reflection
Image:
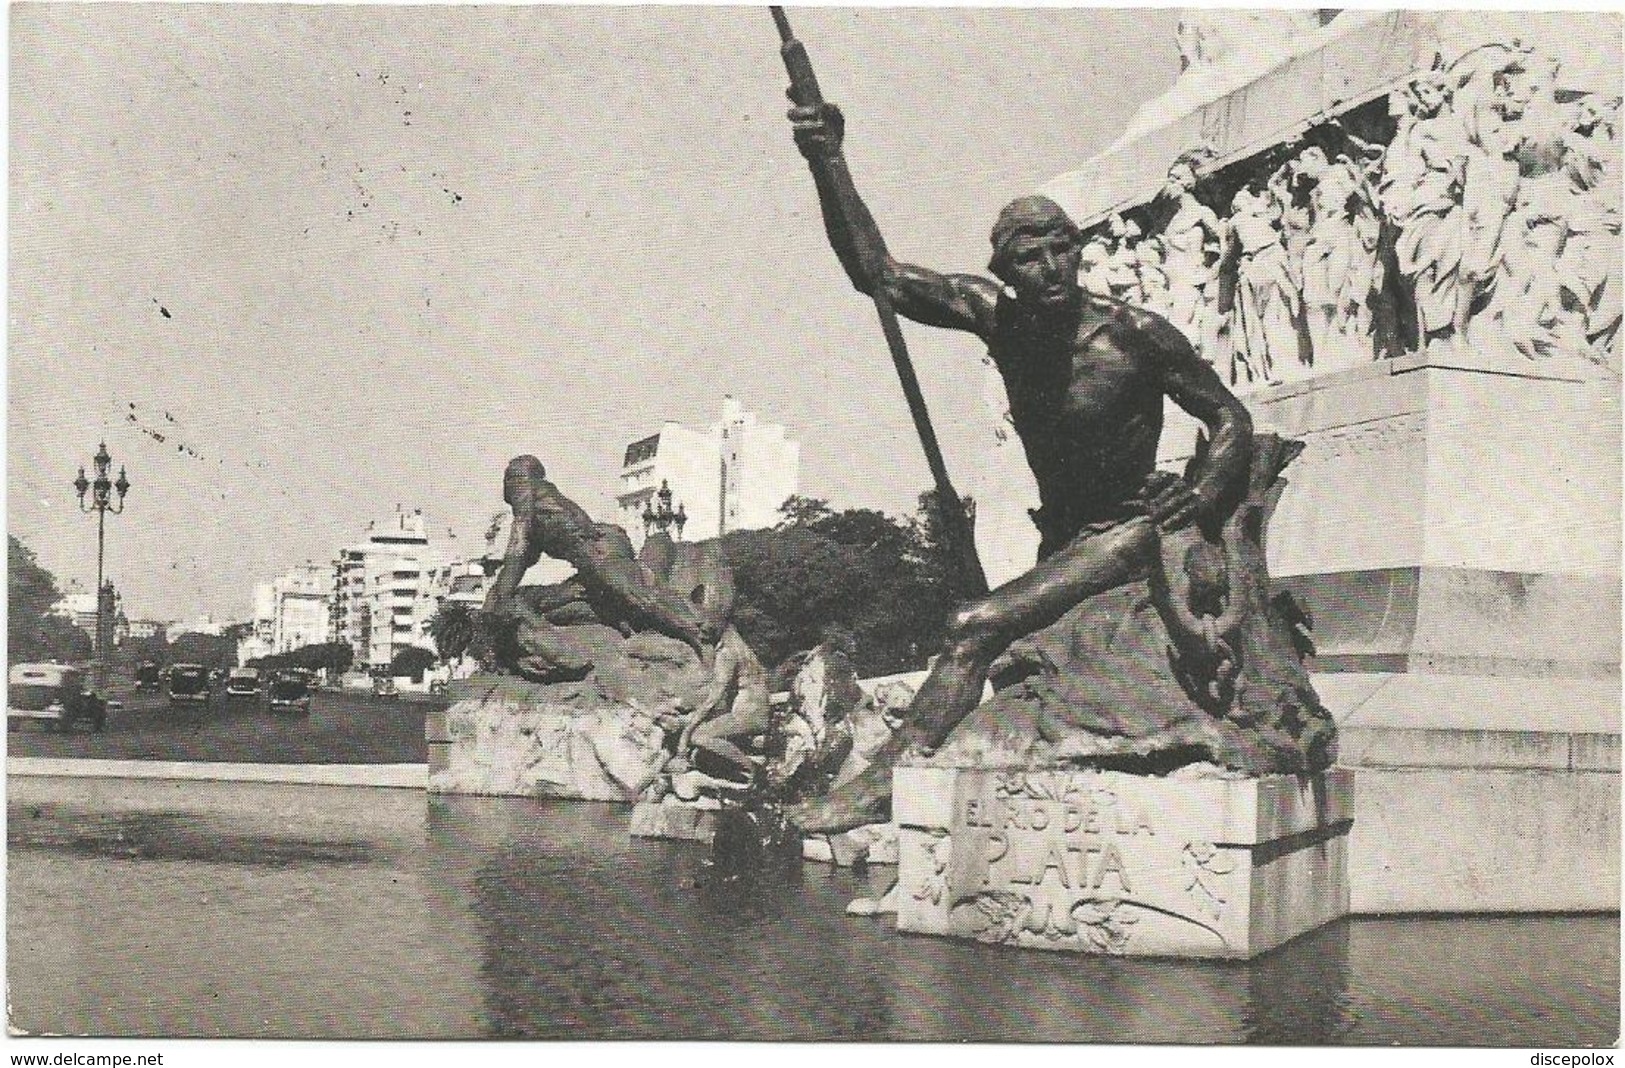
x: 587, y: 933
x: 150, y: 908
x: 1299, y: 995
x: 172, y: 836
x: 232, y: 909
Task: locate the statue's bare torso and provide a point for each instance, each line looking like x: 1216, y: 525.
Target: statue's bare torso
x: 1085, y: 377
x: 1087, y: 405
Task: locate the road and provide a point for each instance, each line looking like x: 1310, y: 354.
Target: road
x: 342, y: 728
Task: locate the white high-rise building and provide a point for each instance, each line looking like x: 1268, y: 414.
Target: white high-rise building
x: 303, y: 600
x: 385, y: 591
x: 732, y: 475
x: 258, y: 641
x: 79, y: 606
x: 464, y: 582
x: 204, y: 624
x: 290, y: 612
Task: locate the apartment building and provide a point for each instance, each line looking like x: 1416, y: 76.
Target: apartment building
x: 386, y: 589
x: 731, y: 475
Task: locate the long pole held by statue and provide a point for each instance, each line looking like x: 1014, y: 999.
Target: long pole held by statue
x: 956, y: 523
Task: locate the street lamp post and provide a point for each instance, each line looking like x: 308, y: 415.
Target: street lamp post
x: 663, y: 518
x: 101, y: 502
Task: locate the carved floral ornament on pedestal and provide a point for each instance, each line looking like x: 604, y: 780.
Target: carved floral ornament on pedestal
x: 1473, y: 211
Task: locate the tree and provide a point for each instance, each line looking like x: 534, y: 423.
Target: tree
x: 936, y: 542
x: 153, y: 647
x: 210, y: 650
x: 930, y: 531
x: 333, y: 657
x: 858, y: 568
x: 452, y: 629
x: 867, y: 530
x: 799, y: 511
x: 787, y: 584
x: 33, y: 630
x: 31, y: 590
x: 411, y: 661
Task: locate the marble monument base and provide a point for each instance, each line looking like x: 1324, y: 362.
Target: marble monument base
x: 670, y: 818
x: 875, y: 843
x: 509, y: 746
x: 1107, y: 862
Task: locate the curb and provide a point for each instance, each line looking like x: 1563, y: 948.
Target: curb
x: 391, y: 776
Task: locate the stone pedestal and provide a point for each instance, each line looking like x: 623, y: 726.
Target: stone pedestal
x: 1453, y: 530
x: 498, y: 746
x: 1106, y: 862
x: 874, y: 844
x: 670, y: 818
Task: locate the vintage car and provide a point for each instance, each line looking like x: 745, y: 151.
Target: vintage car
x: 290, y: 692
x: 384, y: 686
x: 54, y: 695
x: 149, y: 677
x: 243, y: 682
x: 189, y: 685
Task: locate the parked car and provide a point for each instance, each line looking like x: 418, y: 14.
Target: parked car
x: 189, y: 686
x: 149, y: 677
x: 290, y: 692
x: 384, y: 686
x: 54, y: 695
x: 243, y: 682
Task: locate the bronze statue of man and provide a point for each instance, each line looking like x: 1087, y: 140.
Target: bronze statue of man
x: 546, y: 521
x: 1086, y: 377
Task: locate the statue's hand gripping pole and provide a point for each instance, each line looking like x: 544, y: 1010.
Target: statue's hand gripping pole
x: 804, y: 92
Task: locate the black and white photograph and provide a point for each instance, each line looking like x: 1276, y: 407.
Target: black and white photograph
x: 858, y: 526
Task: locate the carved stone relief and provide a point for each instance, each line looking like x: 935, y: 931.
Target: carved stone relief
x: 1475, y: 210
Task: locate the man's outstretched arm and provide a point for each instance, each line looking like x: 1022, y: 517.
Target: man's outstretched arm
x: 955, y: 302
x: 1193, y: 385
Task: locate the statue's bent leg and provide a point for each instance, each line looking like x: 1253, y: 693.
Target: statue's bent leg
x: 1090, y: 564
x: 625, y: 580
x: 717, y: 737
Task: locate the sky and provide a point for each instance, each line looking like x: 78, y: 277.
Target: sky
x: 298, y: 266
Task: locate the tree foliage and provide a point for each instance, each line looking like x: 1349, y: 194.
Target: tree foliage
x: 932, y: 528
x: 33, y: 630
x: 210, y: 650
x: 452, y: 629
x: 880, y: 578
x: 153, y: 647
x: 334, y: 657
x: 412, y: 661
x: 799, y: 511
